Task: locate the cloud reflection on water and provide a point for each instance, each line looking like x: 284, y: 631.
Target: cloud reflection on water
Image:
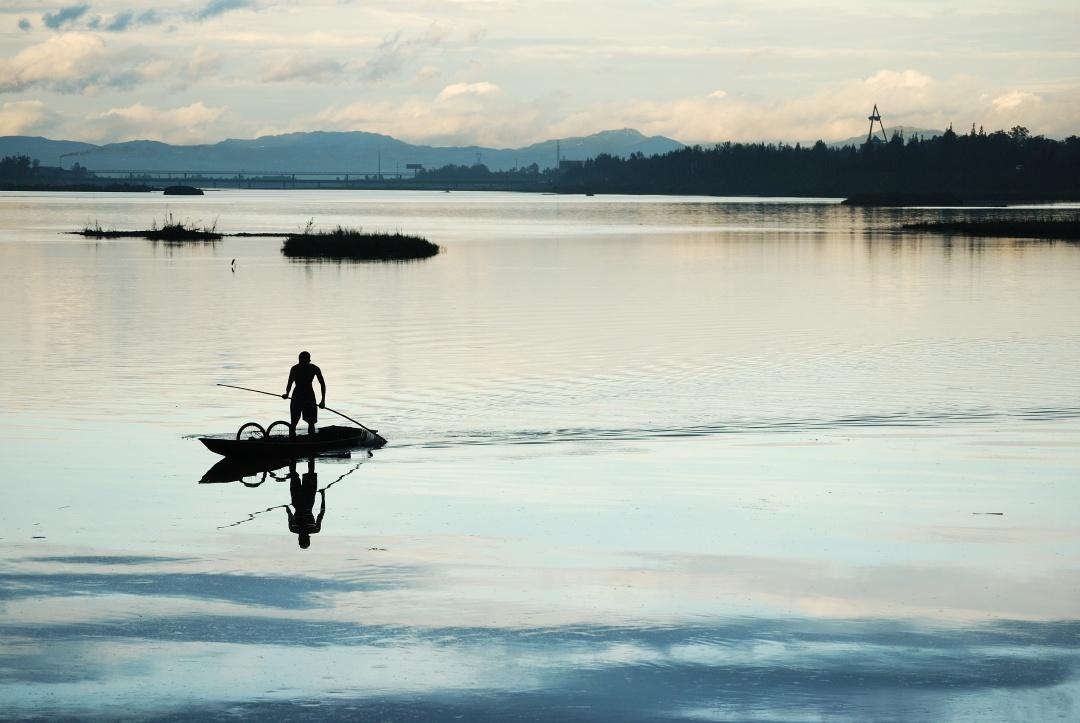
x: 740, y: 669
x: 294, y: 645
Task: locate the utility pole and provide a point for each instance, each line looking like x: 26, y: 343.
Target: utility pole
x: 875, y: 116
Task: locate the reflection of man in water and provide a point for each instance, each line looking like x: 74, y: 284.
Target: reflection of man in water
x: 303, y: 398
x: 301, y: 519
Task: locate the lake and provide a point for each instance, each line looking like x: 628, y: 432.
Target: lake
x: 649, y: 458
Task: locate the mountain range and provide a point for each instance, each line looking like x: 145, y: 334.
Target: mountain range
x: 322, y: 151
x: 352, y: 152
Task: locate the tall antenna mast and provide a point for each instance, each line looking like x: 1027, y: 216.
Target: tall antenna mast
x: 875, y: 116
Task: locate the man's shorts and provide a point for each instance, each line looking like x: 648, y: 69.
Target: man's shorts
x: 306, y: 408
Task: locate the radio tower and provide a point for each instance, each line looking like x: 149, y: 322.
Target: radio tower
x: 875, y: 116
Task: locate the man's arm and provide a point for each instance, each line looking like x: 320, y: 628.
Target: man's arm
x: 322, y: 386
x: 288, y: 384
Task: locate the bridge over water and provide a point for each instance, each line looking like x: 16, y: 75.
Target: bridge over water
x: 257, y: 179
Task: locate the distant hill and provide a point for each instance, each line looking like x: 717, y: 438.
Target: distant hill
x: 907, y: 131
x: 43, y: 149
x: 352, y: 152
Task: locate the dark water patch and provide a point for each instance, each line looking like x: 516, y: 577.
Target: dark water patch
x: 742, y: 669
x: 900, y: 200
x: 30, y: 663
x: 873, y: 641
x: 108, y: 559
x: 292, y: 592
x: 1025, y: 228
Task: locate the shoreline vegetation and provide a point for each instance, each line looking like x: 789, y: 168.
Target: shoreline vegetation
x: 1000, y: 166
x: 79, y: 187
x: 1048, y: 229
x: 350, y: 244
x: 338, y: 244
x: 170, y: 230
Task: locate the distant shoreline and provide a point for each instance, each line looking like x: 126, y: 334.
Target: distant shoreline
x: 899, y: 200
x: 80, y: 187
x: 1005, y: 166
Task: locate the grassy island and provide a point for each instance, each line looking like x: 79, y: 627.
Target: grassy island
x: 170, y: 230
x: 1029, y: 228
x: 353, y: 244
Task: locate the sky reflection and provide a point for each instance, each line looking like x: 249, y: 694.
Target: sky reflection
x: 746, y: 477
x: 741, y: 669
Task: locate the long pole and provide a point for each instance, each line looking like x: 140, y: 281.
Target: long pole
x: 271, y: 394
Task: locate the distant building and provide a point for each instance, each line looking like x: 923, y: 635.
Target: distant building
x: 569, y: 165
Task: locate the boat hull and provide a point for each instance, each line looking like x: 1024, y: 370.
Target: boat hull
x: 325, y: 440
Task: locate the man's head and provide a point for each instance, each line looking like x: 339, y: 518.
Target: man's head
x: 304, y: 540
x: 305, y: 358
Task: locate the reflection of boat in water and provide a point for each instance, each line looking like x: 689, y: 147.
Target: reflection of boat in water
x: 267, y: 446
x: 238, y: 469
x: 304, y: 491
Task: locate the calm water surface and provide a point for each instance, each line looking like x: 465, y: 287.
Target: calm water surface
x: 650, y: 458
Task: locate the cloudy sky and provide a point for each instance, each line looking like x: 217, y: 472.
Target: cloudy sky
x: 510, y: 72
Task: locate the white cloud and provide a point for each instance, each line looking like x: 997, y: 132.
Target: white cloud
x: 1013, y: 100
x: 833, y: 112
x: 461, y: 89
x: 428, y: 72
x: 76, y: 63
x: 307, y: 69
x: 393, y: 53
x: 195, y: 123
x: 58, y: 62
x: 204, y: 63
x: 22, y: 117
x: 490, y: 120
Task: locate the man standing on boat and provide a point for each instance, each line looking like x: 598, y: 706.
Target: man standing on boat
x: 303, y: 398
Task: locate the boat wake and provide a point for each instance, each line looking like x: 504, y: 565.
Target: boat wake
x: 925, y: 420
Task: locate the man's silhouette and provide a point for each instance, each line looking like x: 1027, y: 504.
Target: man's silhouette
x: 302, y: 520
x: 303, y: 398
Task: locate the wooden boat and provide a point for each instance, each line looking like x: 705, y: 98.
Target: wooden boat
x: 302, y: 445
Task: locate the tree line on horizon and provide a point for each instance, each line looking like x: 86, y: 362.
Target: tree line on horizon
x: 1002, y: 164
x: 24, y: 169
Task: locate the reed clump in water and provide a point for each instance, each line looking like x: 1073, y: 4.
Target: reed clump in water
x: 1028, y: 228
x: 353, y: 244
x: 170, y: 230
